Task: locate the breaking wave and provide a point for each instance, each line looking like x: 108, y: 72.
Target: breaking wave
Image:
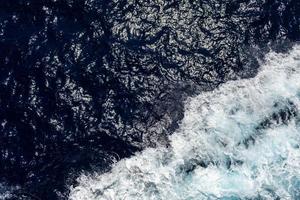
x: 240, y: 141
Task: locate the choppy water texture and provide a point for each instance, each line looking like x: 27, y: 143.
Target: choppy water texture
x: 85, y: 83
x: 6, y: 192
x: 239, y: 141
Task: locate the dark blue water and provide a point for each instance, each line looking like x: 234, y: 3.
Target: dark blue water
x: 84, y: 83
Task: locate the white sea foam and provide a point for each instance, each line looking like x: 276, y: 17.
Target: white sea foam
x: 6, y: 191
x: 239, y: 141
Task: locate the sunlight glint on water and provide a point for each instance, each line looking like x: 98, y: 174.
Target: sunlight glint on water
x: 239, y: 141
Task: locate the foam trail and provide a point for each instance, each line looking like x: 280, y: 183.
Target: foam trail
x: 239, y: 141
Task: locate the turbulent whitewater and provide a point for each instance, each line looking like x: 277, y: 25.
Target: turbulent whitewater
x: 240, y: 141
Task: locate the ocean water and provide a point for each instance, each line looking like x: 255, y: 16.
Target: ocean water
x: 85, y: 84
x: 240, y: 141
x: 6, y: 192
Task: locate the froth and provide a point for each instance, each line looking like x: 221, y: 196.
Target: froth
x: 241, y: 140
